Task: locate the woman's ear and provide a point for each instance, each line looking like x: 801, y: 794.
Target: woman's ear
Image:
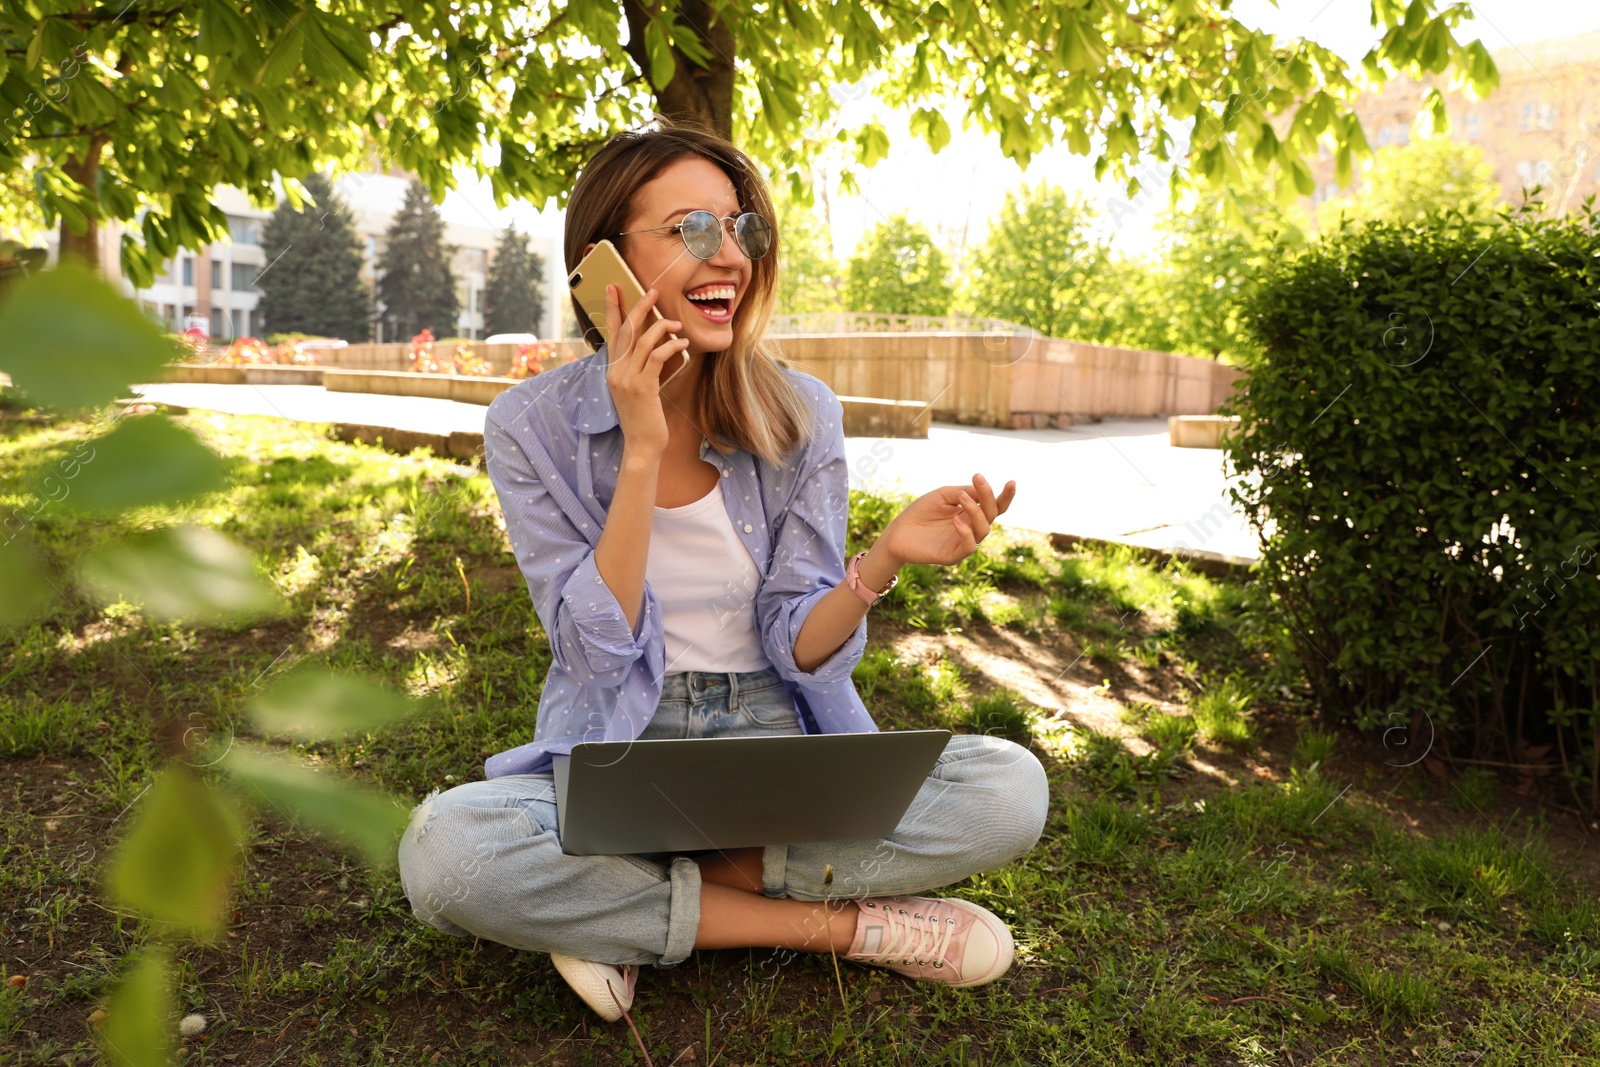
x: 588, y: 248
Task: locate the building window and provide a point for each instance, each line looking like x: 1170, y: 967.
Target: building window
x: 1537, y: 116
x: 237, y: 317
x: 1474, y: 126
x: 372, y: 250
x: 244, y: 278
x: 188, y: 270
x: 1393, y: 133
x: 216, y: 322
x: 1534, y: 172
x: 216, y: 274
x: 244, y: 231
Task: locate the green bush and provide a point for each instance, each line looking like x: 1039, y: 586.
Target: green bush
x: 1422, y: 429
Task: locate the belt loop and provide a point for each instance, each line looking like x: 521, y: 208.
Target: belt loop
x: 733, y: 689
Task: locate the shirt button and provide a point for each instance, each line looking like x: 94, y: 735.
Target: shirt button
x: 748, y: 527
x: 724, y: 472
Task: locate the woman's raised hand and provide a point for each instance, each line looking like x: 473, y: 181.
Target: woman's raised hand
x: 635, y: 354
x: 944, y: 526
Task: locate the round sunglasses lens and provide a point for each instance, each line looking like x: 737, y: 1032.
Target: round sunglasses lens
x: 753, y: 233
x: 702, y: 233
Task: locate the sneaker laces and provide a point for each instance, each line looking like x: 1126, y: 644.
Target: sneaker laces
x: 912, y: 936
x: 630, y: 979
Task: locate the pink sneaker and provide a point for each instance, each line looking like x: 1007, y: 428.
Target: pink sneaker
x: 947, y: 940
x: 605, y: 987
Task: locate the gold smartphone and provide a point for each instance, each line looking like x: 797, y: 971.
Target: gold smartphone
x: 603, y: 266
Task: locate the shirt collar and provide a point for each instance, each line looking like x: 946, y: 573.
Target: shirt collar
x: 597, y: 412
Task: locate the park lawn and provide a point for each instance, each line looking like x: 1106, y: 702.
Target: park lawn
x: 1224, y: 879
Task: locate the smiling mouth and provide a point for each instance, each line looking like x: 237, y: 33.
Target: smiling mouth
x: 715, y: 302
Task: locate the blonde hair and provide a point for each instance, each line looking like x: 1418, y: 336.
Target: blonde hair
x: 746, y: 400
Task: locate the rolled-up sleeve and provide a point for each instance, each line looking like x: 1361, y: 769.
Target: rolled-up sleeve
x: 589, y: 634
x: 808, y: 555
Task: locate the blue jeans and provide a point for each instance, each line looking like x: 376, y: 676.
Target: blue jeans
x: 483, y: 859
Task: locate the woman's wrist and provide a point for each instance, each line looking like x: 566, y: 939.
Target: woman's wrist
x: 640, y: 459
x: 878, y: 567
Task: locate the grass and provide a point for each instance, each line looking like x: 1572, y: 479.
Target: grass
x: 1222, y: 711
x: 1167, y: 915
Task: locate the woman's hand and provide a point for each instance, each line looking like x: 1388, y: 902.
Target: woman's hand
x: 945, y: 526
x: 636, y: 353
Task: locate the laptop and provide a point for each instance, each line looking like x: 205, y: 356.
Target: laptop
x: 694, y: 794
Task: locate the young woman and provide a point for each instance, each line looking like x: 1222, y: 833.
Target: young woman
x: 684, y: 548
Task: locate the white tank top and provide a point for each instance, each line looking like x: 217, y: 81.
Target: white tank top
x: 706, y: 582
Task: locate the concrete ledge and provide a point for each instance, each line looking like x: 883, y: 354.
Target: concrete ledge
x: 867, y: 416
x: 1216, y: 563
x: 457, y: 445
x: 465, y: 388
x: 258, y: 374
x: 1199, y: 431
x: 242, y: 374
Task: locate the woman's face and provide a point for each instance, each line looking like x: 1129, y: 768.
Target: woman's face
x: 661, y: 262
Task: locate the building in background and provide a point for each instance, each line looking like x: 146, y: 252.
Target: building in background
x: 1540, y: 127
x: 219, y: 281
x: 375, y: 197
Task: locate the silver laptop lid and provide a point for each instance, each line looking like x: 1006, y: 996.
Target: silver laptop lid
x: 618, y: 797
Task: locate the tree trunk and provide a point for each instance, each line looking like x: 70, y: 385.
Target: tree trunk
x: 696, y: 94
x: 84, y: 247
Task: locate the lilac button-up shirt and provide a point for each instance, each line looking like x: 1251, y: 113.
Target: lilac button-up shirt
x: 553, y: 448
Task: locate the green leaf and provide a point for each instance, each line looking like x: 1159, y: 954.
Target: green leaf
x: 36, y: 46
x: 360, y: 816
x: 312, y: 703
x: 1433, y: 107
x: 1304, y: 183
x: 285, y: 55
x: 147, y: 459
x: 71, y: 341
x: 1122, y: 140
x: 23, y: 588
x: 182, y: 572
x: 219, y: 35
x: 138, y: 1027
x: 177, y: 863
x: 873, y: 142
x: 931, y: 127
x: 1078, y: 44
x: 659, y: 49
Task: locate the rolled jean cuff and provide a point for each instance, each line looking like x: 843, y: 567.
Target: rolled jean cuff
x: 683, y: 913
x: 775, y: 870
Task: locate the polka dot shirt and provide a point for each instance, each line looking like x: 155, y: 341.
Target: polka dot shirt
x: 553, y: 449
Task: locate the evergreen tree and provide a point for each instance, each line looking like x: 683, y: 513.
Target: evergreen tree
x: 313, y: 281
x: 513, y: 296
x: 898, y: 270
x: 416, y: 287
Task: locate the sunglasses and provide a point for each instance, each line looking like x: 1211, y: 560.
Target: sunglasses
x: 702, y: 233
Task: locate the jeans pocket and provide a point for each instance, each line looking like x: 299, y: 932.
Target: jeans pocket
x: 670, y: 722
x: 772, y: 709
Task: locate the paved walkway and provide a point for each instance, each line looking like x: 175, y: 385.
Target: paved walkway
x: 1115, y: 480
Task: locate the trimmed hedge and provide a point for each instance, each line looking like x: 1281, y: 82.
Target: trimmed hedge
x: 1422, y: 441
